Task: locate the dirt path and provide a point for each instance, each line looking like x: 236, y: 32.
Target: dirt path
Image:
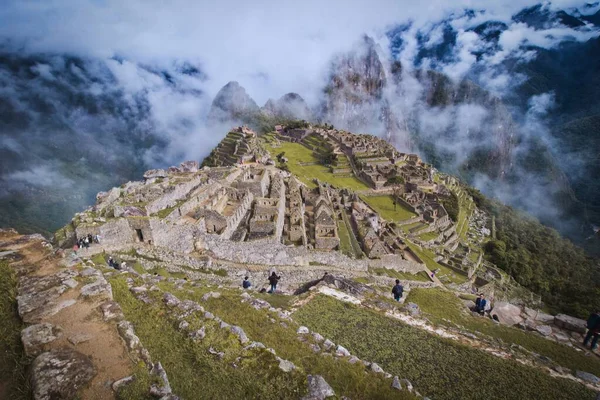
x: 83, y: 328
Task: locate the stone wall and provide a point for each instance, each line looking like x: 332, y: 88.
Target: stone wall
x: 234, y: 220
x: 175, y: 194
x: 397, y: 263
x: 179, y: 238
x: 197, y: 198
x: 113, y: 232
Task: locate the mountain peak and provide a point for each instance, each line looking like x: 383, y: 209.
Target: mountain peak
x: 232, y: 103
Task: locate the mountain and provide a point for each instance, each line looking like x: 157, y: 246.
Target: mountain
x: 232, y: 103
x: 288, y: 106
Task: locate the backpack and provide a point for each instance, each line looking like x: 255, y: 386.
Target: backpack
x: 397, y: 290
x: 593, y: 320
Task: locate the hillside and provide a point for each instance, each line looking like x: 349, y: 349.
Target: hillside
x: 339, y: 217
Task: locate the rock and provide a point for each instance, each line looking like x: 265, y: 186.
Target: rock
x: 508, y: 314
x: 259, y: 304
x: 208, y: 295
x: 71, y: 283
x: 239, y: 332
x: 138, y: 289
x: 255, y: 345
x: 155, y: 173
x: 561, y: 337
x: 570, y: 323
x: 245, y: 296
x: 117, y: 385
x: 111, y: 310
x: 470, y: 304
x: 328, y: 344
x: 318, y: 388
x: 33, y: 301
x: 183, y: 325
x: 586, y: 376
x: 165, y: 388
x: 199, y: 334
x: 315, y: 347
x: 285, y: 365
x: 302, y: 330
x: 396, y: 383
x: 35, y: 336
x: 529, y: 312
x: 318, y: 338
x: 98, y: 288
x: 544, y: 330
x: 224, y: 325
x: 80, y: 338
x: 544, y: 318
x: 342, y: 352
x: 189, y: 166
x: 128, y: 211
x: 413, y: 309
x: 90, y: 272
x: 406, y: 383
x: 208, y: 315
x: 47, y: 310
x: 59, y: 374
x: 170, y: 300
x: 353, y: 360
x: 132, y: 342
x: 376, y: 368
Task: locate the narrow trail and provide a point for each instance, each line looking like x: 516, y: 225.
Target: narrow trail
x: 81, y: 322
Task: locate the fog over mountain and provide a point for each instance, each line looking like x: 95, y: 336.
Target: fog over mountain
x: 92, y: 93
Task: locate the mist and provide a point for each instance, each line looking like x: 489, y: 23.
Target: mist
x: 94, y: 92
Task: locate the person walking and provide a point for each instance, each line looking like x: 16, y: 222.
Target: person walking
x: 397, y: 290
x: 593, y: 326
x: 273, y: 280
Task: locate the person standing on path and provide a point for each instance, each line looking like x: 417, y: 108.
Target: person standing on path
x: 246, y: 283
x: 593, y: 325
x: 273, y: 280
x: 397, y: 290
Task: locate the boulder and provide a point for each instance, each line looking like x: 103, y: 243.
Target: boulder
x: 376, y: 368
x: 98, y: 288
x: 79, y: 338
x: 413, y: 309
x: 544, y: 318
x: 570, y: 323
x: 587, y: 377
x: 328, y: 344
x: 302, y: 330
x: 508, y: 314
x: 199, y: 334
x: 407, y: 384
x: 318, y: 337
x: 342, y: 352
x: 32, y: 301
x: 128, y: 211
x: 170, y: 300
x: 208, y: 295
x: 318, y: 388
x: 353, y: 360
x: 239, y: 332
x: 396, y: 383
x: 118, y: 384
x: 34, y: 337
x: 59, y: 374
x: 544, y: 330
x: 285, y: 365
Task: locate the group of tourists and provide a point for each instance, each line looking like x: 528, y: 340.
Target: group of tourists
x: 273, y: 280
x: 85, y: 241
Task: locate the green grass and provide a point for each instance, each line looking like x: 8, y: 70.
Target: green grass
x: 441, y: 305
x: 428, y: 258
x: 437, y: 367
x: 276, y: 300
x: 420, y: 276
x: 429, y: 236
x: 384, y: 205
x: 193, y: 372
x: 297, y: 153
x: 13, y: 361
x: 345, y: 243
x: 99, y: 259
x: 406, y: 228
x: 346, y: 379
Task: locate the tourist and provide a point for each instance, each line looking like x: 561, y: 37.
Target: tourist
x: 397, y: 290
x: 593, y: 326
x: 480, y: 304
x: 273, y: 279
x: 246, y: 284
x: 123, y: 266
x: 111, y: 262
x: 90, y: 238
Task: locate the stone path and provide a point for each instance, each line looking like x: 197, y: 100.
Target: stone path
x: 60, y: 301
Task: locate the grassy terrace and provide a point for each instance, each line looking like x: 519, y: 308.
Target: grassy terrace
x: 297, y: 153
x: 420, y: 276
x: 346, y: 379
x: 441, y: 306
x: 345, y: 244
x: 14, y: 382
x: 437, y: 367
x: 429, y: 236
x: 428, y: 258
x: 385, y: 207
